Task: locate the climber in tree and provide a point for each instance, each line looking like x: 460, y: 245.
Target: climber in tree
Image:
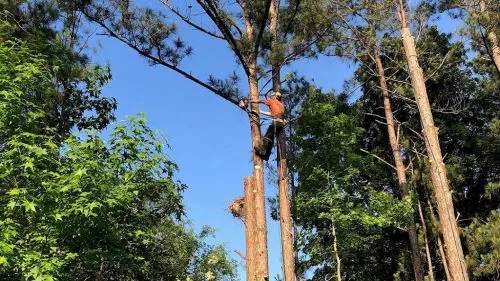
x: 277, y: 111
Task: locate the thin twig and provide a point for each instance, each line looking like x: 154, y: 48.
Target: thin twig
x: 189, y: 22
x: 377, y: 157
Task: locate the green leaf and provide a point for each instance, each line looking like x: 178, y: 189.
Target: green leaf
x: 29, y: 206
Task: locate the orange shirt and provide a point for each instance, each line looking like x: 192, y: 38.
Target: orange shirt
x: 276, y: 107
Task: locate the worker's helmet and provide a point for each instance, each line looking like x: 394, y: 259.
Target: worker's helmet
x: 277, y: 95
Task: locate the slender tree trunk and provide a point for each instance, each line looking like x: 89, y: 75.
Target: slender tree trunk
x: 337, y: 257
x: 250, y: 227
x: 400, y: 168
x: 283, y: 184
x: 443, y: 258
x: 495, y: 49
x: 440, y: 245
x: 261, y: 259
x: 454, y: 252
x: 427, y: 250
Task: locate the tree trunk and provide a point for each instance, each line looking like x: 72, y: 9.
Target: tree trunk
x: 443, y: 258
x: 261, y: 258
x: 495, y: 49
x: 337, y: 257
x: 282, y: 169
x: 440, y: 245
x: 250, y: 227
x: 427, y: 250
x: 400, y: 168
x: 454, y: 252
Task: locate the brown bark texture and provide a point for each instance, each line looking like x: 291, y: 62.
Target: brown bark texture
x: 249, y: 186
x: 439, y: 178
x: 400, y: 168
x: 426, y: 240
x: 443, y: 258
x: 440, y: 245
x: 492, y: 37
x: 261, y: 258
x: 282, y: 169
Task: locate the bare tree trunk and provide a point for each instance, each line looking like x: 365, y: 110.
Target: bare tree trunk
x: 440, y: 245
x: 283, y: 184
x: 250, y: 227
x: 454, y: 252
x: 261, y: 258
x: 337, y: 257
x: 443, y: 258
x: 400, y: 168
x: 427, y: 250
x: 285, y: 214
x: 495, y: 49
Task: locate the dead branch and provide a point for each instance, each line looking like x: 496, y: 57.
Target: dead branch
x: 189, y: 22
x: 377, y: 157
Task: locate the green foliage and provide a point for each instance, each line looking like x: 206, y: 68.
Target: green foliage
x: 84, y: 207
x: 483, y: 241
x: 74, y: 99
x: 338, y: 187
x: 464, y: 107
x: 22, y: 75
x: 476, y: 24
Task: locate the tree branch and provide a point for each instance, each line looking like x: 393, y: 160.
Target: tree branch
x: 382, y: 160
x: 189, y: 22
x: 212, y: 12
x: 289, y: 24
x: 262, y: 27
x: 159, y: 61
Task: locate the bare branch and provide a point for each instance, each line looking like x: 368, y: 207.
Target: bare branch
x: 262, y: 28
x: 212, y: 12
x: 240, y: 254
x: 189, y: 22
x: 439, y: 67
x: 377, y: 157
x: 289, y: 24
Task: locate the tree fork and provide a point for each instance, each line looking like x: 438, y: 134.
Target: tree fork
x: 400, y: 168
x: 439, y: 178
x: 283, y: 184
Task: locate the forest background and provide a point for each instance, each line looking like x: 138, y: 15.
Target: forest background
x: 209, y: 142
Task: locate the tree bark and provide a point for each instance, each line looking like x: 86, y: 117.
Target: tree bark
x: 250, y: 227
x: 440, y: 245
x: 283, y: 184
x: 443, y: 258
x: 427, y: 250
x: 454, y: 252
x: 495, y: 49
x: 400, y: 168
x: 261, y: 258
x: 337, y: 257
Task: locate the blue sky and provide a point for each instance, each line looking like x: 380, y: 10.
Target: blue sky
x: 210, y: 138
